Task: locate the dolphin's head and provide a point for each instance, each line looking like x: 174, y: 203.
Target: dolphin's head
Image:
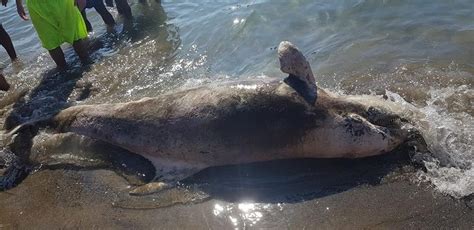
x: 361, y: 128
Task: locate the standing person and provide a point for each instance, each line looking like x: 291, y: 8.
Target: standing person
x: 5, y: 39
x: 57, y: 22
x: 6, y: 42
x: 103, y: 12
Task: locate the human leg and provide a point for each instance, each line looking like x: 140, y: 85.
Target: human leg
x: 6, y: 42
x: 123, y: 8
x: 74, y: 30
x: 3, y: 83
x: 58, y: 57
x: 104, y: 13
x: 86, y: 21
x: 80, y: 46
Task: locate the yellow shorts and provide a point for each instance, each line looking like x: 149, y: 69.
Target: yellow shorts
x: 56, y: 22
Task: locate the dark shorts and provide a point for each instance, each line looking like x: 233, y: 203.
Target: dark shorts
x: 91, y: 3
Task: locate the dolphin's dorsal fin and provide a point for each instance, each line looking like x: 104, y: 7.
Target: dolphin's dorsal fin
x: 294, y: 63
x: 301, y: 88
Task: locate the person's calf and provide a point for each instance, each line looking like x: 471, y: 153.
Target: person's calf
x: 86, y: 21
x: 4, y: 86
x: 6, y: 42
x: 58, y: 57
x: 80, y: 46
x: 124, y: 9
x: 105, y: 14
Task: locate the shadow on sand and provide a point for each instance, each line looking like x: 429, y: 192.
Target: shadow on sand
x: 281, y: 181
x: 291, y: 181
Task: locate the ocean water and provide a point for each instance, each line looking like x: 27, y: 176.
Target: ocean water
x: 418, y: 53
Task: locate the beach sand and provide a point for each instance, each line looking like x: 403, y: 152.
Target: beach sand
x: 375, y: 193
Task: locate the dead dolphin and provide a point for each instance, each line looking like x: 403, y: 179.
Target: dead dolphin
x: 184, y: 132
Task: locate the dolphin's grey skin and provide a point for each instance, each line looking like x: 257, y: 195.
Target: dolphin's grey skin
x: 229, y: 124
x: 184, y: 132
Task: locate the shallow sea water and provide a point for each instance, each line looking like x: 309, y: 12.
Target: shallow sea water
x: 418, y: 53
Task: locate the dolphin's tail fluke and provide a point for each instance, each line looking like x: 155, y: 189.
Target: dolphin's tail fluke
x: 14, y: 155
x: 38, y: 122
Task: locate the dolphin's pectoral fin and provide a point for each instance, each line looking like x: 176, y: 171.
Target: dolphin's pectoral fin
x: 166, y: 190
x: 168, y: 174
x: 150, y: 188
x: 161, y: 198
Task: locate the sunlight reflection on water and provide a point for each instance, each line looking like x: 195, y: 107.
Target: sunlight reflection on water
x: 245, y: 214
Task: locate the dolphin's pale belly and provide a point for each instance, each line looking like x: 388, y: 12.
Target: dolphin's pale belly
x: 223, y: 126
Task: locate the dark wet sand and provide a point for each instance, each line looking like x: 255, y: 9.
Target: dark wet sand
x: 89, y: 199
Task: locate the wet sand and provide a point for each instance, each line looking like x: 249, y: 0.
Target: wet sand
x: 374, y: 193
